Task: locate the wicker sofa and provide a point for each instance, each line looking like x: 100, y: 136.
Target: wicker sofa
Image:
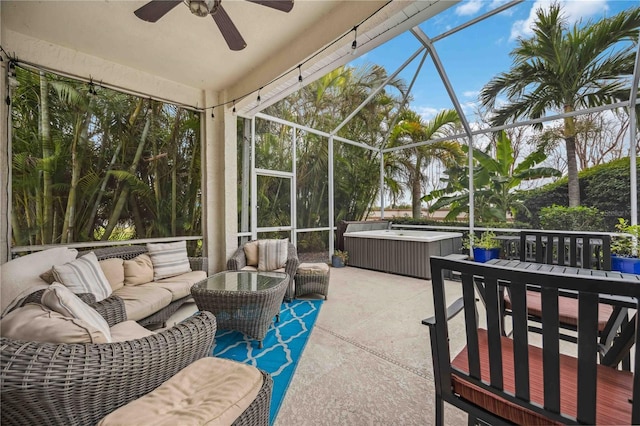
x: 114, y: 308
x: 49, y: 382
x: 79, y: 384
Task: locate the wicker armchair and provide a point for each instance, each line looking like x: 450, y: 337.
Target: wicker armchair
x: 238, y: 261
x: 47, y: 383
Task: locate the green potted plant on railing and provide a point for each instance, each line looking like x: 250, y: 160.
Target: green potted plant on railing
x: 485, y: 247
x: 625, y: 247
x: 339, y: 259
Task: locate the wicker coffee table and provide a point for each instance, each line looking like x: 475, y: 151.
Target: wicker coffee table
x: 245, y: 301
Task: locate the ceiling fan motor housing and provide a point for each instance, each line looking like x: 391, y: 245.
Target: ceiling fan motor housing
x: 203, y: 8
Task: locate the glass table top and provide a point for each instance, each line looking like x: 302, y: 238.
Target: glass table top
x: 242, y: 281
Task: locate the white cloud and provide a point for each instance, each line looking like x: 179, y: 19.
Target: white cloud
x: 470, y: 7
x: 573, y: 10
x: 471, y: 93
x: 427, y: 112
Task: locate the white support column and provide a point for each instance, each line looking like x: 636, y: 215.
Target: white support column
x: 381, y: 184
x: 220, y: 185
x: 254, y: 183
x: 332, y: 213
x: 632, y: 138
x: 294, y: 185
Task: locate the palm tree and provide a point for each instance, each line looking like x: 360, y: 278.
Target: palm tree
x: 564, y: 70
x: 496, y: 180
x: 413, y: 161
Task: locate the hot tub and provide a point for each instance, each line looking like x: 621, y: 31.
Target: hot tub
x: 398, y: 251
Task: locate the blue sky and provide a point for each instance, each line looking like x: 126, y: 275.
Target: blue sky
x: 474, y: 55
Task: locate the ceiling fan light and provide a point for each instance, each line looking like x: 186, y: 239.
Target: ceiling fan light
x: 201, y: 8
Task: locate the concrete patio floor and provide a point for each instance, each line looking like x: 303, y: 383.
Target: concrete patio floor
x: 368, y: 360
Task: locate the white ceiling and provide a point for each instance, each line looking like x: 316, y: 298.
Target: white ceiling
x: 190, y: 51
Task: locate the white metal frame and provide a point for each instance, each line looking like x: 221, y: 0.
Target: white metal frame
x: 429, y: 49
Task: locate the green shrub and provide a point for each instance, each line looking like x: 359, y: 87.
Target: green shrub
x: 606, y: 187
x: 571, y: 218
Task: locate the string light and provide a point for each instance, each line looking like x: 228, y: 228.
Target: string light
x: 212, y: 114
x: 354, y: 45
x: 92, y: 89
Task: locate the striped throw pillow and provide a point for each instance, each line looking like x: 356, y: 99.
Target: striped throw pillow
x: 272, y: 254
x: 169, y: 259
x: 62, y: 300
x: 84, y: 275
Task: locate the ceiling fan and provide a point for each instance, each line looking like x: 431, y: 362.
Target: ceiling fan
x: 156, y: 9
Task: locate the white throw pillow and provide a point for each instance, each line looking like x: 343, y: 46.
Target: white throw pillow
x: 169, y: 259
x: 84, y: 275
x: 272, y: 254
x: 62, y: 300
x: 21, y: 276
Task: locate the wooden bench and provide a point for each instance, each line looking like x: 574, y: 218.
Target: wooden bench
x: 500, y: 379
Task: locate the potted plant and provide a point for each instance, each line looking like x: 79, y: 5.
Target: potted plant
x: 624, y: 248
x: 339, y: 259
x: 485, y: 247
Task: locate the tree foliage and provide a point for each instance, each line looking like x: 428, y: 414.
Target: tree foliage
x: 86, y: 166
x: 496, y: 180
x: 562, y: 69
x: 606, y: 187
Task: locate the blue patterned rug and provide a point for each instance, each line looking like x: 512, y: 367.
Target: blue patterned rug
x: 282, y: 346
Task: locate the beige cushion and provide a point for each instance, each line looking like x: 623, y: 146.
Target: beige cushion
x: 313, y: 268
x: 251, y: 253
x: 128, y: 330
x: 169, y: 259
x: 180, y: 286
x: 62, y: 300
x: 21, y: 276
x: 84, y: 275
x: 114, y: 271
x: 138, y: 270
x: 211, y: 391
x: 272, y: 254
x: 36, y: 323
x: 140, y: 301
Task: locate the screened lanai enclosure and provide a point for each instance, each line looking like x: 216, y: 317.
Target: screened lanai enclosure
x: 307, y: 163
x: 327, y: 136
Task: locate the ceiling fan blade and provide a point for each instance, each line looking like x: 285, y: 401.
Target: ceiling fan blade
x: 282, y: 5
x: 156, y: 9
x: 228, y: 29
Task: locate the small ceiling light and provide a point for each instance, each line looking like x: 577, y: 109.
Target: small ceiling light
x: 354, y: 44
x: 203, y: 8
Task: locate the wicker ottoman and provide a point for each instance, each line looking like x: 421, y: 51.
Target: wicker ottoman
x: 312, y: 278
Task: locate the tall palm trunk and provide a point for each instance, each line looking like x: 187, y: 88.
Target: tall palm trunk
x: 47, y: 182
x: 124, y: 194
x: 81, y: 135
x: 103, y: 186
x: 416, y: 189
x: 572, y: 162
